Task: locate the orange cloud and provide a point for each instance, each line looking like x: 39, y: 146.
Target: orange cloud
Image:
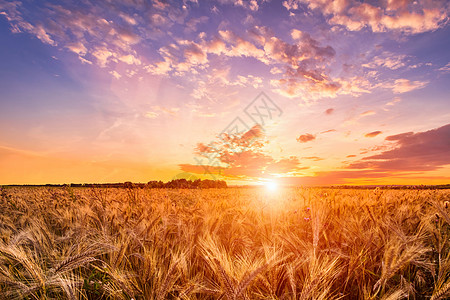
x: 373, y: 134
x: 240, y: 156
x: 328, y: 131
x: 307, y: 137
x: 412, y: 154
x: 313, y: 158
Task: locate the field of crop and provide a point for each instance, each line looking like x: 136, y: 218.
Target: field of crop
x: 236, y: 243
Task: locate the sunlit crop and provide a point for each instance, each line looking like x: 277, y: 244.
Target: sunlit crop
x: 236, y: 243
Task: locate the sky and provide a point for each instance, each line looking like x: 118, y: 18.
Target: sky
x: 305, y: 92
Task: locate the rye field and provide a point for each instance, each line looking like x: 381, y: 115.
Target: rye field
x: 235, y: 243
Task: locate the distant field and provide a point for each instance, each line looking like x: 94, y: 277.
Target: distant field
x: 84, y: 243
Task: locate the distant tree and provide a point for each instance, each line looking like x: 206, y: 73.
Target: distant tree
x: 222, y: 184
x: 183, y: 183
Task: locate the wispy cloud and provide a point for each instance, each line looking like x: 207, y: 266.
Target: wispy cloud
x: 446, y: 68
x: 158, y: 110
x: 394, y: 101
x: 387, y: 60
x: 405, y: 85
x: 313, y: 158
x: 373, y: 134
x: 367, y: 113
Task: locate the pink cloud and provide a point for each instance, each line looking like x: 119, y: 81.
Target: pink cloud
x: 194, y: 54
x: 367, y: 113
x: 252, y: 5
x: 405, y: 16
x: 388, y: 60
x: 421, y: 151
x: 406, y: 85
x: 216, y: 46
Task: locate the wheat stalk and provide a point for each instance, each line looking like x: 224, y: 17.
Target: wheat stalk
x: 444, y: 291
x: 226, y: 281
x: 74, y: 262
x: 246, y: 280
x: 164, y: 288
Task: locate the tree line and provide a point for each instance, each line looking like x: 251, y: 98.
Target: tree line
x: 173, y: 184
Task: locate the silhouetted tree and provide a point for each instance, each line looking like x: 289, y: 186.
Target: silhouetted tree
x: 127, y: 184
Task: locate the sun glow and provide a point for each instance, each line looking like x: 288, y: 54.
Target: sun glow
x: 271, y: 186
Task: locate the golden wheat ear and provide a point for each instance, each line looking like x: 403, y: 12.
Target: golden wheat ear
x: 395, y: 295
x: 442, y: 211
x: 246, y: 280
x: 226, y: 281
x: 164, y: 288
x: 442, y: 293
x: 73, y: 262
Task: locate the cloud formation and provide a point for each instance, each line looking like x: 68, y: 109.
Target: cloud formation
x: 387, y: 60
x: 252, y: 5
x: 306, y: 61
x: 405, y: 85
x: 145, y: 36
x: 302, y: 64
x: 86, y: 31
x: 240, y: 156
x: 409, y: 154
x: 421, y: 151
x: 409, y: 17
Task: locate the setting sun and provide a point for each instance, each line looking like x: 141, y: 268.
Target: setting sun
x: 271, y: 186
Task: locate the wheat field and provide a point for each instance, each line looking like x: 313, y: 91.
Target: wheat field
x: 235, y: 243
